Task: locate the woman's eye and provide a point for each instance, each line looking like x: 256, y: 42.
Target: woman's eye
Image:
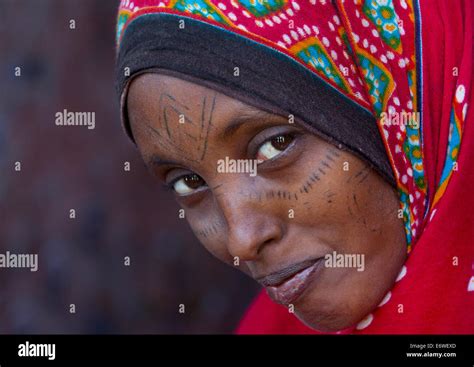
x: 188, y: 184
x: 274, y: 146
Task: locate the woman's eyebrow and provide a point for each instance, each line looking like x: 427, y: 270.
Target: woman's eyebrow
x: 236, y: 123
x: 156, y: 160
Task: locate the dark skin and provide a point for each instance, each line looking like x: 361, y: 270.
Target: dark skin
x: 339, y: 203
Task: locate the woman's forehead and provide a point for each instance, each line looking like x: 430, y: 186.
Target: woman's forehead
x: 153, y: 89
x: 182, y: 117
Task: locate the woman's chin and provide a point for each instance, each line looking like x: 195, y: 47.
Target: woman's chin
x: 326, y: 315
x: 324, y: 323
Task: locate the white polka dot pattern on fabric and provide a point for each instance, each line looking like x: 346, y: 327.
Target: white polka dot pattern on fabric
x: 470, y: 285
x: 385, y: 299
x: 365, y: 322
x: 432, y: 215
x: 402, y: 273
x: 460, y: 93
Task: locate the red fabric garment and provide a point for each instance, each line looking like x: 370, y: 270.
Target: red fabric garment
x: 436, y: 294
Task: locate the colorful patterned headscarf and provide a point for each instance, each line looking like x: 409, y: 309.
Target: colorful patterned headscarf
x: 399, y: 69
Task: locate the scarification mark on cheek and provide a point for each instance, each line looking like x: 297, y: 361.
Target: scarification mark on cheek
x: 251, y: 195
x: 324, y: 166
x: 308, y: 205
x: 361, y: 175
x: 287, y: 195
x: 351, y: 204
x: 270, y: 195
x: 308, y: 184
x: 360, y: 213
x: 329, y: 196
x: 211, y: 230
x: 350, y: 210
x: 354, y: 197
x: 331, y: 156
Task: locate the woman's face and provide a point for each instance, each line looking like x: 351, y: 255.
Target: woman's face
x: 313, y: 224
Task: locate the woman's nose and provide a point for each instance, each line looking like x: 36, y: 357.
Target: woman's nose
x: 251, y: 225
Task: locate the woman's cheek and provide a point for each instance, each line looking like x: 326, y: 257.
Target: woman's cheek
x: 212, y: 235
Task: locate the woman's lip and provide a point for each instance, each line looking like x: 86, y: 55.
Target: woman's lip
x: 278, y: 277
x: 291, y: 289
